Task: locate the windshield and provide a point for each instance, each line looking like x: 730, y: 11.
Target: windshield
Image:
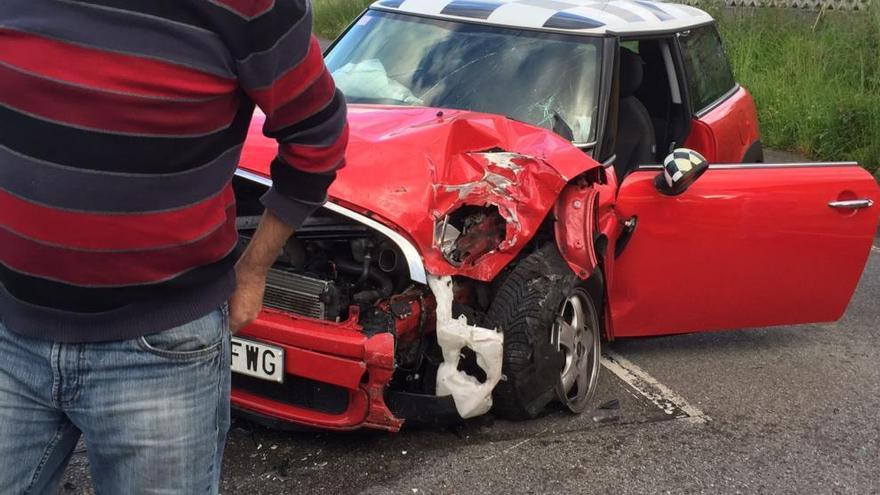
x: 539, y: 78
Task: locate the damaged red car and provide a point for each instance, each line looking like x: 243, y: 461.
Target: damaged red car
x: 526, y: 180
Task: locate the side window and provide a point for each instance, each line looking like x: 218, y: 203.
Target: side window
x: 631, y: 45
x: 708, y: 70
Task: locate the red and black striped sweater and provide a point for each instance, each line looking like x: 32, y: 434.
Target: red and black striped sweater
x: 121, y: 124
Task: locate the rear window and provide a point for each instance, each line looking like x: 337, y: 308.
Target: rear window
x: 708, y: 70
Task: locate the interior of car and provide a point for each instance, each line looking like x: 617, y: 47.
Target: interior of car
x: 652, y: 118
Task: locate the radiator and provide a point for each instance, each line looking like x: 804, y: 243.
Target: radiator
x: 296, y: 293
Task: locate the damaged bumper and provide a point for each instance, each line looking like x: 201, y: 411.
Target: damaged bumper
x: 335, y: 376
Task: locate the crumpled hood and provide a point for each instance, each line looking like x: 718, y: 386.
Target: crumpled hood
x: 410, y: 167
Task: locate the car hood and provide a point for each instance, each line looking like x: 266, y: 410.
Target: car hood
x: 410, y: 167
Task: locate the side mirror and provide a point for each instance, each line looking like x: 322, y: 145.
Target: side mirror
x: 680, y: 169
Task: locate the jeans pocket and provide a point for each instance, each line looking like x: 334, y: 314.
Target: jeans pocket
x: 199, y: 339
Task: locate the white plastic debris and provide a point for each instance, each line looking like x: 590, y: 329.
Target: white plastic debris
x: 471, y: 397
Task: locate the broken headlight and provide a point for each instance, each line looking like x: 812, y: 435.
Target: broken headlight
x: 469, y: 233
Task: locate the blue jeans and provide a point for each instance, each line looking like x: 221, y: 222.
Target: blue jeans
x: 153, y: 411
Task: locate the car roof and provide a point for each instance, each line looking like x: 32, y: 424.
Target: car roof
x: 614, y: 17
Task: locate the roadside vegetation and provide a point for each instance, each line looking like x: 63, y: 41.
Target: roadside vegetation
x: 333, y: 16
x: 815, y: 77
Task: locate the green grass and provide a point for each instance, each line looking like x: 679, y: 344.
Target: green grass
x: 332, y: 16
x: 817, y: 91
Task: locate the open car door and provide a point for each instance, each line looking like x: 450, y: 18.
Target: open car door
x: 746, y: 245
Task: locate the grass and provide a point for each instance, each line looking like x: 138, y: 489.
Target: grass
x: 817, y: 90
x: 332, y: 16
x: 816, y: 84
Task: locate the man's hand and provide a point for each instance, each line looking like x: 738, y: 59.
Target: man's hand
x: 252, y: 268
x: 246, y: 301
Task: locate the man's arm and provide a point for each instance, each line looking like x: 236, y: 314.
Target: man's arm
x: 252, y: 268
x: 283, y: 72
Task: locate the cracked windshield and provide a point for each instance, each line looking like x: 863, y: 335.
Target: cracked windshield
x: 541, y: 78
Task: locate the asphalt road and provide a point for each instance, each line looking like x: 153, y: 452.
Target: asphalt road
x: 793, y: 410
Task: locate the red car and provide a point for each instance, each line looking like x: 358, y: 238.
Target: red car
x: 507, y: 207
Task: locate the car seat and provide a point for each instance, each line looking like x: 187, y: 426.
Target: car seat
x: 636, y: 141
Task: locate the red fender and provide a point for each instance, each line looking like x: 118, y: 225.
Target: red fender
x: 576, y: 226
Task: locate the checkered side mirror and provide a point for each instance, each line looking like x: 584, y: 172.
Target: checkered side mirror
x: 680, y: 169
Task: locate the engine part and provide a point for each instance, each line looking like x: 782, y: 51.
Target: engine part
x: 365, y: 271
x: 411, y: 318
x: 385, y: 285
x: 306, y: 296
x: 387, y: 260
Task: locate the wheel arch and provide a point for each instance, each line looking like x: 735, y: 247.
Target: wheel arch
x: 576, y: 229
x: 583, y: 245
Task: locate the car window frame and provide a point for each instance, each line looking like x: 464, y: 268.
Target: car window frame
x: 698, y: 113
x: 588, y: 147
x: 602, y: 150
x: 675, y: 51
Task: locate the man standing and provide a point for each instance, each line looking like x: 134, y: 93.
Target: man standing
x: 121, y: 123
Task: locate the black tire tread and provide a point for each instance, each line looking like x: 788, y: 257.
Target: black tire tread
x: 517, y: 307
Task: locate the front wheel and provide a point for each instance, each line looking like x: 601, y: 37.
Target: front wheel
x: 576, y: 335
x: 552, y: 337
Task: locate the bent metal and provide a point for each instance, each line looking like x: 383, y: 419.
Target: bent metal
x: 527, y: 181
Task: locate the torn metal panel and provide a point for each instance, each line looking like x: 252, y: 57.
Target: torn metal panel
x: 411, y: 168
x: 472, y: 397
x: 500, y: 199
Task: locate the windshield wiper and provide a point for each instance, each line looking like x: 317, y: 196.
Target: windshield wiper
x: 561, y: 127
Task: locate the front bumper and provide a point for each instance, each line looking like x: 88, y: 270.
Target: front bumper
x: 322, y: 360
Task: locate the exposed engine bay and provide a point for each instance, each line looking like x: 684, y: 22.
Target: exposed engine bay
x: 337, y: 269
x: 331, y: 265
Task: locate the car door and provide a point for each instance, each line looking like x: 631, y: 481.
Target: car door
x: 724, y: 127
x: 745, y: 246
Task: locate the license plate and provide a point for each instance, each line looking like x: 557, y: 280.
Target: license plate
x: 258, y: 360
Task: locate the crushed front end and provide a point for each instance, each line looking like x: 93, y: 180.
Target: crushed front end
x: 349, y: 306
x: 379, y: 304
x: 365, y: 336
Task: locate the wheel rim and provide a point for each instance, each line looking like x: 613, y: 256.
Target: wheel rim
x: 576, y: 335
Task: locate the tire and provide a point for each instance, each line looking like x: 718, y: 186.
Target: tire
x: 755, y: 153
x: 527, y: 308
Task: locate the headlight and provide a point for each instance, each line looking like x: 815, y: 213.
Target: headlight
x: 469, y: 233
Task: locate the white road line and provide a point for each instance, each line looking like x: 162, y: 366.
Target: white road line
x: 508, y: 449
x: 518, y: 444
x: 875, y: 249
x: 668, y: 401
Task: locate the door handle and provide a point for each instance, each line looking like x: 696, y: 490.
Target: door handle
x: 852, y: 204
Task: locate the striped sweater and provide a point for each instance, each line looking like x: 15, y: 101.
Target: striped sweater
x: 121, y: 124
